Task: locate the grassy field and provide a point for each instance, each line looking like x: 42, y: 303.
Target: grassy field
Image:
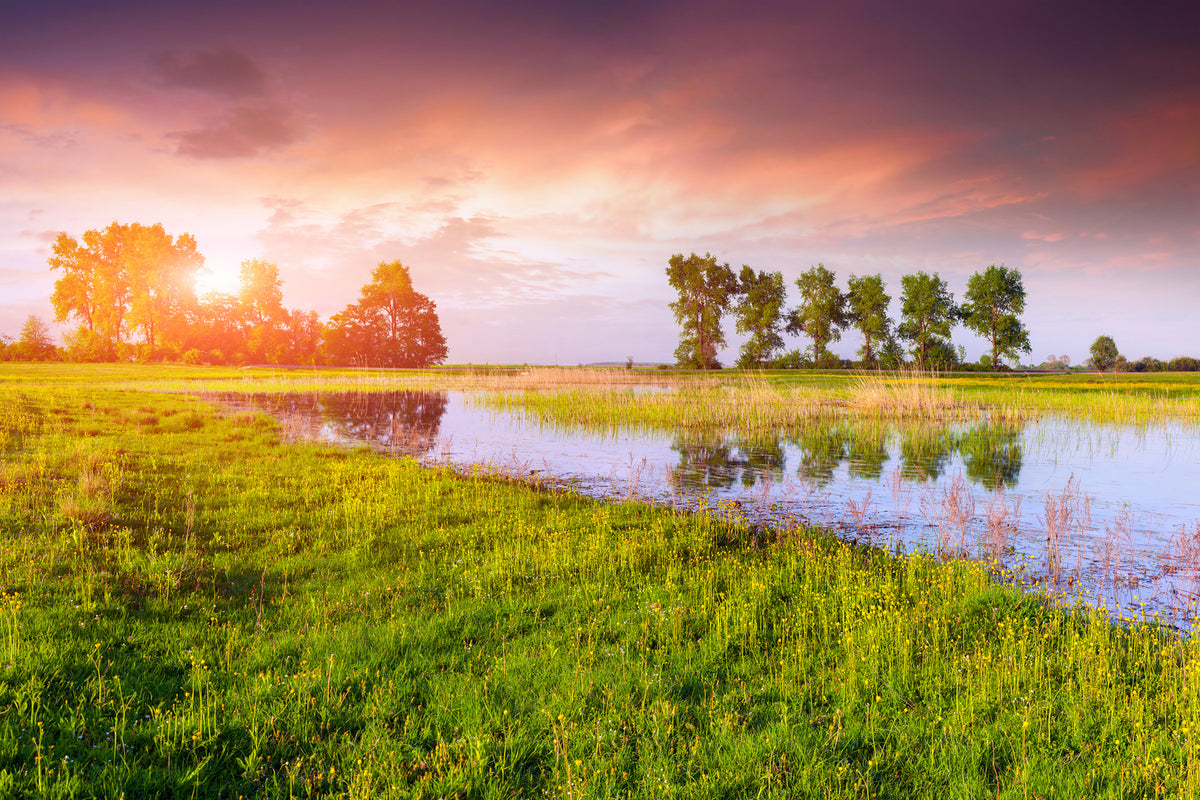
x: 191, y: 607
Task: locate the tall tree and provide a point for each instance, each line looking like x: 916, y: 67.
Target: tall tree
x: 162, y: 274
x: 994, y: 299
x: 821, y: 314
x: 391, y: 325
x: 124, y: 278
x: 760, y: 314
x: 261, y: 292
x: 867, y: 303
x: 260, y: 306
x: 928, y: 315
x: 1104, y: 353
x: 706, y: 290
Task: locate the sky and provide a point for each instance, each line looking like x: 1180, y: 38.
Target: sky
x: 536, y: 163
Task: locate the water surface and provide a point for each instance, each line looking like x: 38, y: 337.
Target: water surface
x: 1108, y: 513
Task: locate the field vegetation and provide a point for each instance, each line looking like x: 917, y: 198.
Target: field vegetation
x: 191, y: 606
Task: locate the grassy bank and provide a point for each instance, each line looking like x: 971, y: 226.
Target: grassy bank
x: 754, y: 402
x: 191, y: 607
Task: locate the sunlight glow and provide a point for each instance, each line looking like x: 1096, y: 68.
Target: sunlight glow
x: 219, y: 278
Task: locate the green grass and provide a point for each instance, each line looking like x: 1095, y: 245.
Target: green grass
x: 189, y: 607
x: 754, y: 402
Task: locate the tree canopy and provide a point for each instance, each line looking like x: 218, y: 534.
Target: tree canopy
x: 706, y: 290
x: 867, y: 306
x: 126, y: 278
x: 928, y: 314
x: 994, y: 299
x: 391, y: 325
x: 1104, y: 353
x: 821, y: 314
x: 35, y: 342
x: 134, y: 280
x: 760, y: 314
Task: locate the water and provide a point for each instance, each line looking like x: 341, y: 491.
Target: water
x: 1107, y: 513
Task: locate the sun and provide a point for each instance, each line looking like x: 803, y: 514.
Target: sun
x: 218, y: 278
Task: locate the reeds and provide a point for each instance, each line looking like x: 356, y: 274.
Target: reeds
x: 908, y: 394
x: 1064, y: 513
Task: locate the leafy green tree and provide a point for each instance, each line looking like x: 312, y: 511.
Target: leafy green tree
x: 821, y: 315
x: 928, y: 314
x: 994, y: 299
x: 867, y: 304
x: 391, y: 325
x: 706, y: 290
x: 1104, y: 353
x: 760, y: 314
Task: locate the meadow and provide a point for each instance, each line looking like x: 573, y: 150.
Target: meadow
x: 193, y: 605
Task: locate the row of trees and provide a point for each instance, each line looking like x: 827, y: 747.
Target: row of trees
x: 1105, y: 357
x: 707, y: 291
x: 130, y: 289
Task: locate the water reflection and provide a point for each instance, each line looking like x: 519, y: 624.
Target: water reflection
x: 403, y: 423
x: 991, y: 455
x: 714, y: 462
x: 988, y: 487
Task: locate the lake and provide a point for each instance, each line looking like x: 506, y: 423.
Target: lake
x: 1107, y: 513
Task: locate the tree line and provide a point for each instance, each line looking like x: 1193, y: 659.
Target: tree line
x: 130, y: 290
x: 1106, y: 357
x: 707, y: 290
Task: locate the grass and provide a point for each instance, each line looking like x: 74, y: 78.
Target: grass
x: 753, y: 402
x: 191, y: 607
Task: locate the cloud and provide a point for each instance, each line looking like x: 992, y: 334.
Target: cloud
x: 243, y: 132
x: 43, y: 236
x: 56, y: 140
x: 225, y: 72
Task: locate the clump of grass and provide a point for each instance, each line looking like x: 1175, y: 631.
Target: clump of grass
x: 89, y: 500
x: 906, y: 395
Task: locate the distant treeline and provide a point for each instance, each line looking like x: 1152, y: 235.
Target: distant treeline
x: 130, y: 289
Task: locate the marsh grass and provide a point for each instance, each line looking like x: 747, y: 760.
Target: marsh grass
x: 905, y: 395
x: 266, y: 619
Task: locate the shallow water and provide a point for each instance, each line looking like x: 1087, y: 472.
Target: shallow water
x: 1107, y: 513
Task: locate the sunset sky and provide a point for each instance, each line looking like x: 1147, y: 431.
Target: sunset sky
x: 535, y: 164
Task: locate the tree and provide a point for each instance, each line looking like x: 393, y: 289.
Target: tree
x: 391, y: 325
x: 822, y: 312
x: 124, y: 278
x: 760, y: 314
x: 35, y: 342
x: 261, y: 292
x: 261, y: 312
x: 994, y: 299
x: 161, y: 272
x: 928, y: 314
x: 867, y: 304
x: 706, y: 290
x: 1104, y: 353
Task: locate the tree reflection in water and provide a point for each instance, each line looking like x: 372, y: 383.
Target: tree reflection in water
x: 402, y: 423
x: 714, y: 462
x: 991, y: 454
